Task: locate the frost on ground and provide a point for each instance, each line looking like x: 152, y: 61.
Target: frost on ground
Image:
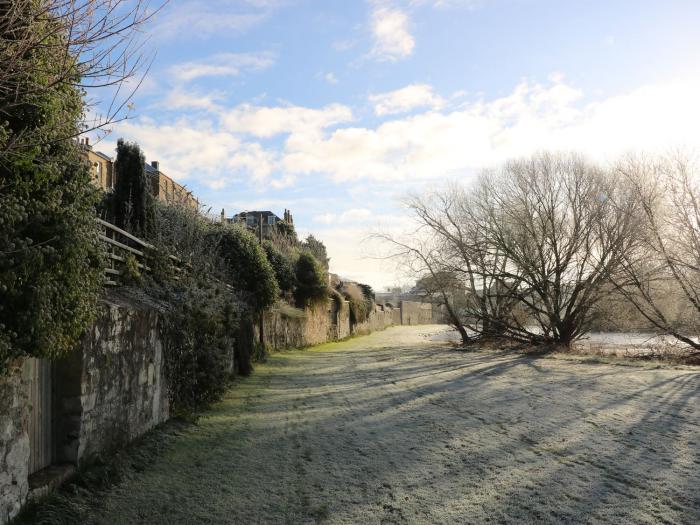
x: 398, y: 427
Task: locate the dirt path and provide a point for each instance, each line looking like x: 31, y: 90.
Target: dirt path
x: 394, y: 428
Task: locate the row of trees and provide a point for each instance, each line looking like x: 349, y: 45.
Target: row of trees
x: 530, y: 250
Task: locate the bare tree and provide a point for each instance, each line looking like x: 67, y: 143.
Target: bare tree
x: 666, y: 265
x: 457, y: 218
x: 98, y: 46
x: 565, y: 227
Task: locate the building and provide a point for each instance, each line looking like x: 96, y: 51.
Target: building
x: 101, y: 167
x: 167, y: 190
x: 163, y: 188
x: 255, y: 220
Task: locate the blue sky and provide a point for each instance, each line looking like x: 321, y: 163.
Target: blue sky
x: 336, y: 109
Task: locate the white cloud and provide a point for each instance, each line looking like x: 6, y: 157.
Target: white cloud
x: 196, y: 151
x: 390, y: 31
x: 178, y: 98
x: 265, y: 122
x: 330, y: 78
x: 405, y: 99
x: 354, y: 215
x: 480, y: 133
x: 222, y: 65
x: 423, y: 146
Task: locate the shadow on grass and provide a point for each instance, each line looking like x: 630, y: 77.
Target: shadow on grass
x: 74, y: 501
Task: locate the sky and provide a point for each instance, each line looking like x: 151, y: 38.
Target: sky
x: 338, y: 109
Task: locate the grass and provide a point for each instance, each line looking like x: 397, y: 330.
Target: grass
x: 75, y: 500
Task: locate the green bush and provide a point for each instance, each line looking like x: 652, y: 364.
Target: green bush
x: 282, y: 265
x: 199, y: 330
x: 248, y: 269
x: 312, y: 281
x: 51, y: 261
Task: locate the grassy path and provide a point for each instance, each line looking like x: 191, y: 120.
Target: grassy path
x: 396, y: 428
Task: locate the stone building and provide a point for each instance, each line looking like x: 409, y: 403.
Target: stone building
x: 163, y: 187
x: 257, y: 220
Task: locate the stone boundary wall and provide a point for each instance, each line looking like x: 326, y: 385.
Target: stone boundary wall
x: 379, y: 319
x: 320, y: 324
x: 414, y: 313
x: 123, y: 391
x: 109, y: 391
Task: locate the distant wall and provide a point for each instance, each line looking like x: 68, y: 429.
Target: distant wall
x: 379, y: 319
x: 414, y: 313
x: 320, y: 324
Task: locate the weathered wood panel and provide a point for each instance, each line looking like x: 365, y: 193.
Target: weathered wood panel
x: 41, y: 415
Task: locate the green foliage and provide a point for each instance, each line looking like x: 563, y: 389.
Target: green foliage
x: 317, y: 249
x: 247, y: 266
x: 312, y: 281
x: 285, y: 229
x: 50, y: 257
x: 132, y: 201
x: 131, y: 273
x: 160, y: 264
x: 282, y: 265
x: 198, y: 330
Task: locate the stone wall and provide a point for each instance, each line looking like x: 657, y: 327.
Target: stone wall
x: 110, y: 390
x: 14, y: 441
x: 414, y: 313
x: 123, y: 389
x: 343, y: 322
x: 290, y: 328
x: 321, y: 324
x: 378, y: 319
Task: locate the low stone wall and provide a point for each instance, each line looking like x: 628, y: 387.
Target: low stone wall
x: 321, y: 324
x: 343, y: 322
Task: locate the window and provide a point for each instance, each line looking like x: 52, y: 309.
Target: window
x: 271, y: 220
x: 98, y: 172
x: 250, y: 220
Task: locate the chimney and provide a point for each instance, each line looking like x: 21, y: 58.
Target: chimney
x: 223, y: 215
x: 87, y: 141
x: 155, y: 165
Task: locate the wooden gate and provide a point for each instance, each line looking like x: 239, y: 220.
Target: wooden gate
x: 39, y: 372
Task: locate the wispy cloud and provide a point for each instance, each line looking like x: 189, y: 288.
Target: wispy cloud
x: 222, y: 65
x: 330, y: 78
x: 405, y: 99
x: 197, y: 19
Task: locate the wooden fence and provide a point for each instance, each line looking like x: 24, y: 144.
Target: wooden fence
x: 120, y: 245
